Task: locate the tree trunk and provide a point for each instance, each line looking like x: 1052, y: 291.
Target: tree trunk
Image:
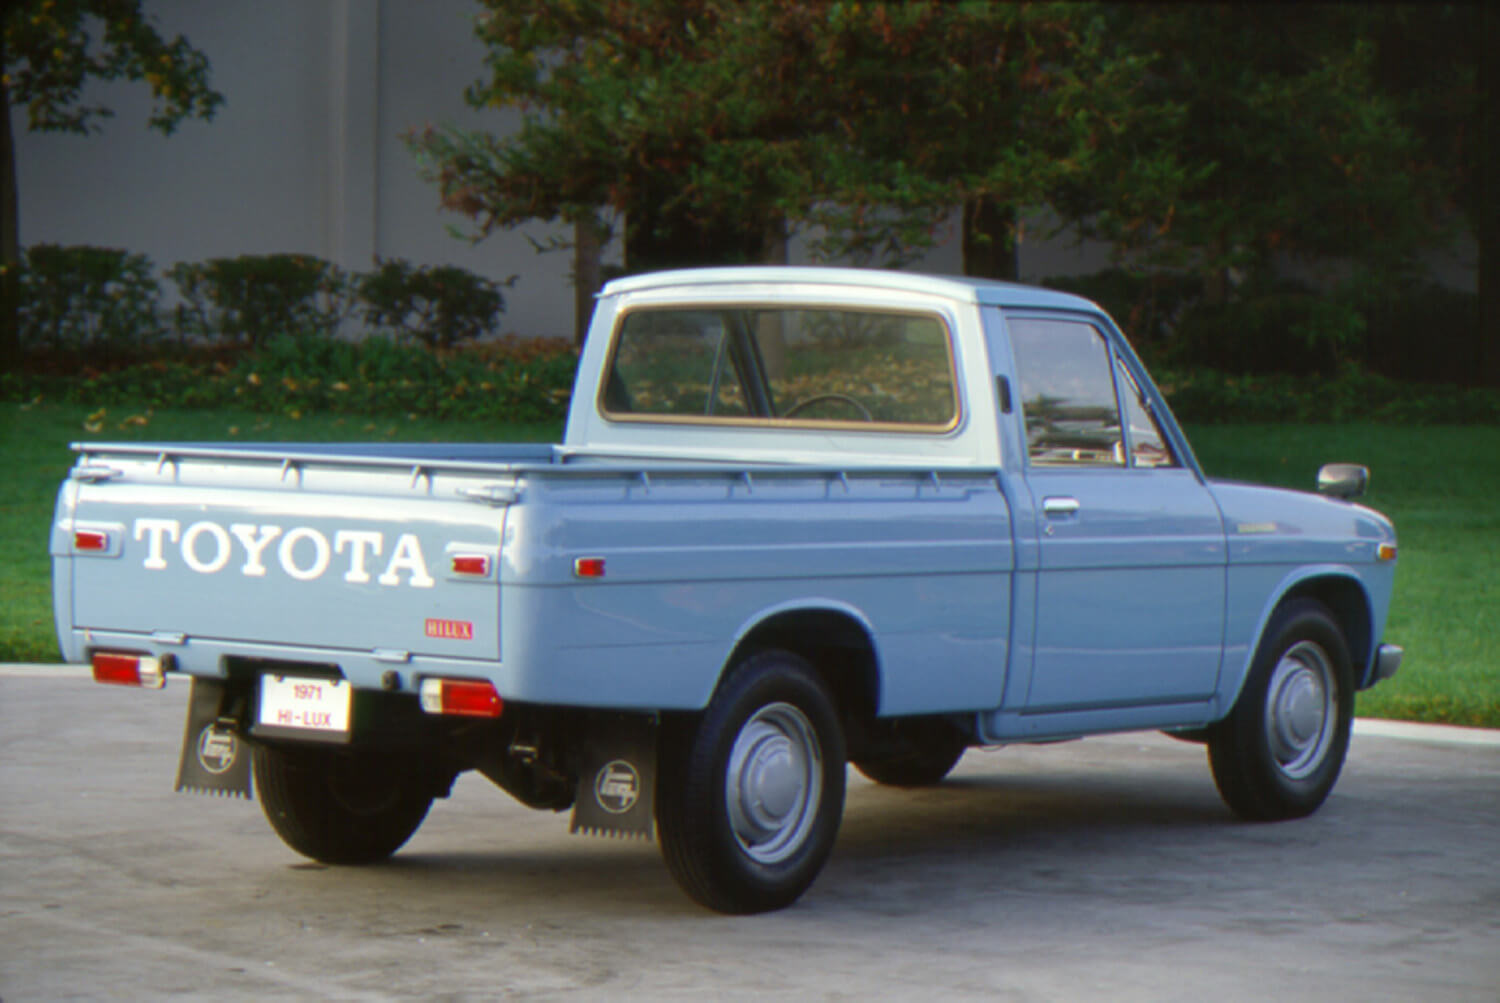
x: 586, y: 275
x: 773, y: 242
x: 10, y: 243
x: 989, y: 238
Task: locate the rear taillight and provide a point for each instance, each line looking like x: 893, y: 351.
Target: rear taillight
x: 120, y: 669
x: 461, y: 697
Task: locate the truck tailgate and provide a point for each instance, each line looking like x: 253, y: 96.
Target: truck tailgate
x: 386, y: 557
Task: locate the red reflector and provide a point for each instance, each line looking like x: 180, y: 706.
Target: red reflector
x: 462, y: 697
x: 471, y: 564
x: 589, y: 567
x: 128, y: 670
x: 90, y: 539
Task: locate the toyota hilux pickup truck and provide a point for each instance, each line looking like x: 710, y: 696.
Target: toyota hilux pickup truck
x: 800, y: 518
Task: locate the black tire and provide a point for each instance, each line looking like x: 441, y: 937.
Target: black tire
x: 751, y: 791
x: 340, y: 806
x: 918, y: 752
x: 1279, y: 752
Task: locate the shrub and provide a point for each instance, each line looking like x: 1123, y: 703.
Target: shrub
x: 1279, y: 331
x: 1425, y: 333
x: 1210, y: 397
x: 250, y: 299
x: 95, y: 300
x: 440, y: 305
x: 521, y: 380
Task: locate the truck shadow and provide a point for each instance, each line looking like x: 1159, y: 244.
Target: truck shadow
x: 897, y: 849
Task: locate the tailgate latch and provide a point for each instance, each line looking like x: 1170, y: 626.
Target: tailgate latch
x: 491, y: 494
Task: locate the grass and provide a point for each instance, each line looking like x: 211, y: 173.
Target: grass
x: 1440, y: 484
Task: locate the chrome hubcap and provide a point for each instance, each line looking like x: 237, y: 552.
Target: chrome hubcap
x: 774, y: 782
x: 1300, y: 710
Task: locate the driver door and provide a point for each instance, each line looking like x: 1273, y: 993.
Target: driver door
x: 1131, y: 582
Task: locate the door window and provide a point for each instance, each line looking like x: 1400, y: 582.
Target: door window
x: 1148, y: 446
x: 1067, y: 393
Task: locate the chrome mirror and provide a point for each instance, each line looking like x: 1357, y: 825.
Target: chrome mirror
x: 1343, y: 480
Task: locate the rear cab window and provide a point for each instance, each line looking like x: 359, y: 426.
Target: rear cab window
x: 776, y: 364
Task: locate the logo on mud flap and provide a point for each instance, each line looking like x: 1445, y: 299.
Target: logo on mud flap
x: 617, y: 787
x: 217, y: 750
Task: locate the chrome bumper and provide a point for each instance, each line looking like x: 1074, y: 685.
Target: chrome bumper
x: 1387, y: 661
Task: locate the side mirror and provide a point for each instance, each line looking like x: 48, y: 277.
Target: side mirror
x: 1343, y: 480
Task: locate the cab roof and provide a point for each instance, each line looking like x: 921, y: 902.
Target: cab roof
x: 986, y: 292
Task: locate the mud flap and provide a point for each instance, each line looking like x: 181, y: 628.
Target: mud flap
x: 214, y: 760
x: 617, y: 781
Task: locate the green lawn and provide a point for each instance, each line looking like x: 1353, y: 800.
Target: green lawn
x: 1440, y: 484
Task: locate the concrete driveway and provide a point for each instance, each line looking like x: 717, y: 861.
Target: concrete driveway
x: 1106, y: 869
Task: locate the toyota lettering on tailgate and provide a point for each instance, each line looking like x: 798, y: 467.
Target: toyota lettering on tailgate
x: 302, y: 553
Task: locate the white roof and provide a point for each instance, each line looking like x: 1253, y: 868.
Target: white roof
x: 959, y: 287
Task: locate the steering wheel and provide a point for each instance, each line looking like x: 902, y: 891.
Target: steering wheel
x: 839, y: 398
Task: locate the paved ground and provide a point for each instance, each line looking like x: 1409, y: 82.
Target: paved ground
x: 1105, y: 869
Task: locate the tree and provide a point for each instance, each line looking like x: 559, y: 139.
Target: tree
x: 1292, y: 146
x: 49, y: 52
x: 716, y: 128
x: 1434, y: 64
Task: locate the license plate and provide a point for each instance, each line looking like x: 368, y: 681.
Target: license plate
x: 305, y: 704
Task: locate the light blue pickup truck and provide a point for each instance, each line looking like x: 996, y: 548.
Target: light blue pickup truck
x: 800, y: 518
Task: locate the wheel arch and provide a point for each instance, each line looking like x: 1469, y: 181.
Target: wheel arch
x: 1345, y: 596
x: 835, y: 639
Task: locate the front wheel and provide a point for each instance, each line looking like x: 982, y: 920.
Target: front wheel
x: 341, y: 805
x: 752, y: 791
x: 1280, y: 751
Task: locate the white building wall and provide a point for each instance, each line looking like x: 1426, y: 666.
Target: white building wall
x: 305, y: 155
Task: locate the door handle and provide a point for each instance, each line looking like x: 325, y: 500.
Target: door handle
x: 1060, y: 505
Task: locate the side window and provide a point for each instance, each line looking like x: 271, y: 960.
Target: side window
x: 1067, y: 393
x: 1148, y: 446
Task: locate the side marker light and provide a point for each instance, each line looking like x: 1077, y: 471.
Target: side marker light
x: 471, y: 564
x: 90, y: 539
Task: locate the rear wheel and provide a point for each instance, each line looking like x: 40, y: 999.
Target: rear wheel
x: 341, y: 805
x: 752, y: 790
x: 1280, y: 751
